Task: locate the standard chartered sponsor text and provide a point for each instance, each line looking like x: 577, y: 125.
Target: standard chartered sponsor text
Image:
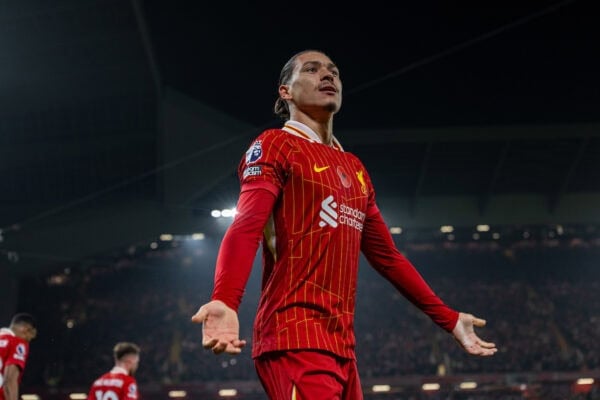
x: 351, y: 217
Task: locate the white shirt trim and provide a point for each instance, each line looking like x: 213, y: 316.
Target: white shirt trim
x: 119, y: 370
x: 7, y: 331
x: 309, y: 134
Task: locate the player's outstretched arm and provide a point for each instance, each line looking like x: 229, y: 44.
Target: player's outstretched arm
x: 465, y: 335
x: 220, y: 328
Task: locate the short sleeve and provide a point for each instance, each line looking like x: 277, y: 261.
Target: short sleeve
x: 19, y: 353
x: 131, y: 391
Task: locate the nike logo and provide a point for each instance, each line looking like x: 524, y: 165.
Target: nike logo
x: 320, y: 169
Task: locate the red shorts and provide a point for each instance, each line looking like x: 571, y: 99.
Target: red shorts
x: 308, y: 375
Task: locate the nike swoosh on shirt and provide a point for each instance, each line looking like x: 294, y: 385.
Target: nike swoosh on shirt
x: 320, y: 169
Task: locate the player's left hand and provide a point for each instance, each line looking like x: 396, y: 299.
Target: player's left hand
x: 465, y: 335
x: 220, y: 328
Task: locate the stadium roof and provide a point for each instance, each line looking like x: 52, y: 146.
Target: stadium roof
x: 479, y: 101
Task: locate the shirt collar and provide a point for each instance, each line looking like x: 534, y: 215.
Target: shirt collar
x: 7, y: 331
x: 119, y: 370
x: 301, y: 130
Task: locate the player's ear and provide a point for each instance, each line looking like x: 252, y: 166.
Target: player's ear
x: 284, y: 92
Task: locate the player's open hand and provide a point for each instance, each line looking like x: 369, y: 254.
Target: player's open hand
x: 464, y: 333
x: 220, y: 328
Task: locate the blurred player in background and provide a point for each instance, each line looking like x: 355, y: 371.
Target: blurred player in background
x: 313, y: 207
x: 14, y: 350
x: 119, y: 383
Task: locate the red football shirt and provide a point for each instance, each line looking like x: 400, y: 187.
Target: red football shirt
x: 114, y: 385
x: 324, y: 214
x: 13, y: 351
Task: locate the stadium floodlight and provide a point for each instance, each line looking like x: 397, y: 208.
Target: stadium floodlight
x: 430, y: 387
x: 30, y: 396
x: 228, y: 212
x: 483, y: 228
x: 166, y: 237
x: 585, y: 381
x: 446, y: 228
x: 395, y: 230
x: 177, y: 394
x: 468, y: 385
x: 227, y: 392
x: 198, y: 236
x: 381, y: 388
x: 78, y: 396
x: 215, y: 213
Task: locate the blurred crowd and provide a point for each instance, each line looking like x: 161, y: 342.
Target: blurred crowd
x: 541, y: 304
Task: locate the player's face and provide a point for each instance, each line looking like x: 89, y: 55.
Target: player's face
x: 133, y: 361
x: 26, y: 332
x: 31, y: 333
x: 315, y: 84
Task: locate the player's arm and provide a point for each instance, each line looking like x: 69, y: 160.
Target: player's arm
x: 381, y: 252
x: 11, y: 382
x: 220, y: 329
x: 130, y: 391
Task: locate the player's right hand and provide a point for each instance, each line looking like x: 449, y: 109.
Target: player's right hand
x: 465, y: 335
x: 220, y: 328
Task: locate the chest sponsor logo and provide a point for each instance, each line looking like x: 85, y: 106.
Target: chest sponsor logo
x: 254, y: 153
x: 332, y: 215
x: 328, y: 213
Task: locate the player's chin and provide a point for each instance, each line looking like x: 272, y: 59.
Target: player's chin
x: 332, y: 106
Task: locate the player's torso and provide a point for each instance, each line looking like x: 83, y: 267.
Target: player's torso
x: 309, y: 287
x: 114, y: 386
x: 4, y: 350
x: 325, y: 195
x: 12, y: 349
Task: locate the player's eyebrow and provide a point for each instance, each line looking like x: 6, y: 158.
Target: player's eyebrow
x: 330, y: 66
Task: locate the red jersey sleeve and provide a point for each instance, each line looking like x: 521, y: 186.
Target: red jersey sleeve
x: 380, y: 250
x: 262, y: 174
x: 266, y: 162
x: 241, y: 241
x: 130, y: 390
x: 18, y: 353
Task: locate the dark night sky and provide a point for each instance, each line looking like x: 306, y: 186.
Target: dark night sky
x: 425, y: 64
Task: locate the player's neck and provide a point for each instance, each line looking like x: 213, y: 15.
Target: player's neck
x: 323, y: 128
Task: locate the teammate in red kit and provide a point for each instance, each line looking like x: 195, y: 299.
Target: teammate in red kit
x: 313, y: 206
x: 119, y: 383
x: 14, y: 350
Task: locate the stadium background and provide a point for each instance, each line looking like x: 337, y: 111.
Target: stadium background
x: 124, y: 121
